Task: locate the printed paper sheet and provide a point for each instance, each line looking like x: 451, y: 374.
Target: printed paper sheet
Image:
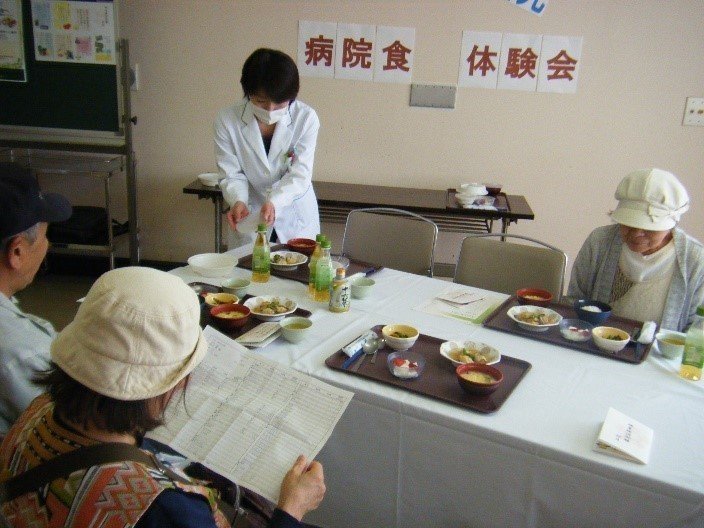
x: 248, y: 418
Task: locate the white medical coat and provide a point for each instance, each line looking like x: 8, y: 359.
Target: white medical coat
x: 248, y: 172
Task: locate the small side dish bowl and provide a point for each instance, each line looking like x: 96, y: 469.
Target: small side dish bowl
x: 576, y: 330
x: 228, y: 316
x: 209, y: 179
x: 270, y: 307
x: 610, y: 339
x: 670, y: 343
x: 465, y: 352
x: 287, y: 260
x: 534, y: 318
x: 362, y: 287
x: 594, y: 312
x: 472, y: 189
x: 212, y: 264
x: 405, y: 365
x: 476, y: 378
x: 237, y: 286
x: 301, y: 245
x: 294, y: 329
x: 534, y: 296
x: 216, y: 299
x: 400, y: 336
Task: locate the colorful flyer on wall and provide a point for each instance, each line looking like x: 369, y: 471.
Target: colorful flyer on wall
x: 72, y: 31
x: 12, y: 63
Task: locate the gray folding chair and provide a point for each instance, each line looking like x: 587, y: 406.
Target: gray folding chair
x: 391, y: 237
x: 506, y: 267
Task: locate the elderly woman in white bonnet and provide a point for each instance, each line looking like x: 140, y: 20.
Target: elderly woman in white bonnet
x: 644, y: 266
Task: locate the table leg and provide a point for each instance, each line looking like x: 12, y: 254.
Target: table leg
x: 217, y: 201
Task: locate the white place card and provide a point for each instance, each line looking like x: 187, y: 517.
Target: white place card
x: 624, y: 437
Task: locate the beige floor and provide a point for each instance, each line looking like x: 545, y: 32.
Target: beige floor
x: 53, y: 297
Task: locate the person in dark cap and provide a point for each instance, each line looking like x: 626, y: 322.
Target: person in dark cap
x: 25, y: 213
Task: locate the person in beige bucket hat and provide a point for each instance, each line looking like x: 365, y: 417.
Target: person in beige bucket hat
x: 115, y: 368
x: 644, y: 266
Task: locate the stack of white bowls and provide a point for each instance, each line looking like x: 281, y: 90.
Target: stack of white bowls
x: 468, y: 193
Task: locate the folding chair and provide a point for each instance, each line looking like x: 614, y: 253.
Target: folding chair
x: 391, y: 237
x: 505, y: 267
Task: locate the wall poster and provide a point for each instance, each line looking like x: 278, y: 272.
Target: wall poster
x: 12, y: 62
x: 70, y: 31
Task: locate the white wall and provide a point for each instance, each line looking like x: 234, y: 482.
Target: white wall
x: 565, y: 153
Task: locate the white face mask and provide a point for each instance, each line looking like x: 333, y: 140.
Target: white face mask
x: 269, y: 118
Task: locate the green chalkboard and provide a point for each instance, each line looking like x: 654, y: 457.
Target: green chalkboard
x: 59, y: 95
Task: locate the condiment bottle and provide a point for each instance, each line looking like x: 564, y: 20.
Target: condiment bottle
x: 323, y: 273
x: 312, y: 263
x: 340, y: 293
x: 693, y: 356
x: 261, y: 256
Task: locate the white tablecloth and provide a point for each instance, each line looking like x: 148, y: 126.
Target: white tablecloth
x: 399, y: 459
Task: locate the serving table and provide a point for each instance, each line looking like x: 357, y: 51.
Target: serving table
x: 401, y: 459
x: 336, y: 200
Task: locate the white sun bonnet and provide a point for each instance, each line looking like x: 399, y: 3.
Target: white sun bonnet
x: 651, y: 199
x: 135, y: 336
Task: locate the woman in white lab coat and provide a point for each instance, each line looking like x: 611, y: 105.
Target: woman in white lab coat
x: 264, y: 148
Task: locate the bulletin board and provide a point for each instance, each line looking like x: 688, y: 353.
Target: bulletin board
x: 62, y: 96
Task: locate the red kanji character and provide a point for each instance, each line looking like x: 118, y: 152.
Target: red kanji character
x: 396, y: 56
x: 481, y: 60
x: 319, y: 49
x: 561, y: 65
x: 521, y: 63
x: 356, y: 53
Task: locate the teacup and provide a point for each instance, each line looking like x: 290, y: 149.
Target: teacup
x: 237, y: 286
x: 670, y: 343
x: 362, y: 287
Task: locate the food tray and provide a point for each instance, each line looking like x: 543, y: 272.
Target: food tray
x: 300, y: 274
x: 206, y: 319
x: 632, y: 353
x: 438, y: 379
x: 500, y: 204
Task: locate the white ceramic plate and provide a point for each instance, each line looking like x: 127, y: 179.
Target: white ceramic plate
x: 255, y: 303
x: 281, y: 266
x: 514, y: 312
x: 490, y: 353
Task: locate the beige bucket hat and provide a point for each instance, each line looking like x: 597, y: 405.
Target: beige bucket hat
x: 135, y: 336
x: 651, y: 199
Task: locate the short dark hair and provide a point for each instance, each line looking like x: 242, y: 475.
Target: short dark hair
x: 272, y: 72
x: 75, y: 402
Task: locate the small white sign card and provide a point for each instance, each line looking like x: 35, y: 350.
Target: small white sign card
x: 624, y: 437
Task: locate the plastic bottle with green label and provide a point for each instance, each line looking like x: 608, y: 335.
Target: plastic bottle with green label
x: 313, y: 262
x: 693, y: 356
x: 323, y: 273
x: 261, y: 256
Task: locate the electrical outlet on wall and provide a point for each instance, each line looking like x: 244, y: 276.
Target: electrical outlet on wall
x: 694, y: 112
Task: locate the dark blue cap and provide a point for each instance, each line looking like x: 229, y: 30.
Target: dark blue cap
x: 22, y: 204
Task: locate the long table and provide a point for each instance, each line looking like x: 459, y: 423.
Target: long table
x: 398, y: 459
x: 336, y: 200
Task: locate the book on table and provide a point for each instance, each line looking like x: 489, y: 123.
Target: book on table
x: 624, y: 437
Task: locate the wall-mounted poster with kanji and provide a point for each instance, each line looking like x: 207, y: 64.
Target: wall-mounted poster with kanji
x: 316, y: 48
x: 70, y: 31
x: 395, y: 49
x: 12, y: 62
